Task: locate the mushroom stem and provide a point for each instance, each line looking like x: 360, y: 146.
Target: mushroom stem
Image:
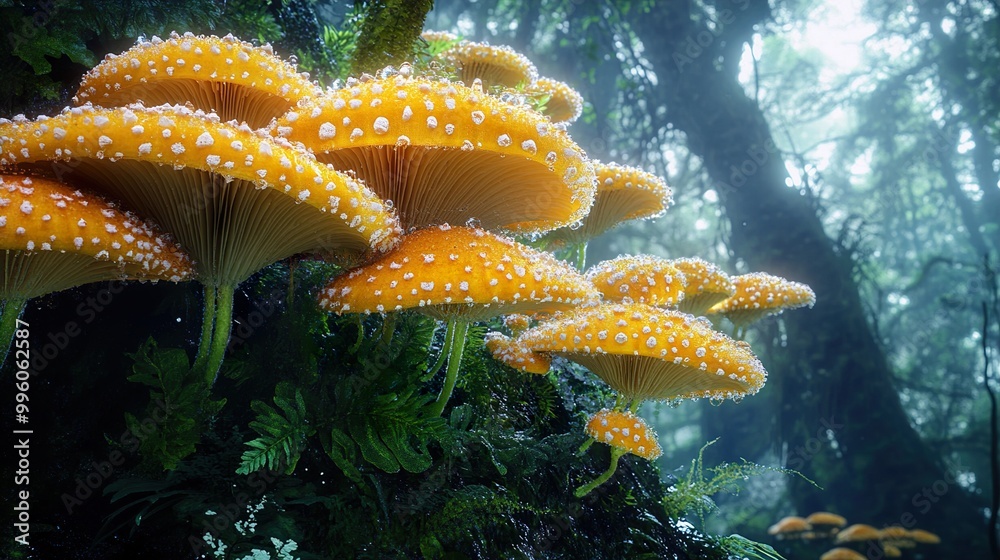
x: 581, y: 255
x: 616, y: 454
x: 620, y: 402
x: 388, y: 327
x: 12, y: 308
x: 448, y: 336
x: 220, y: 334
x: 457, y: 346
x: 206, y: 327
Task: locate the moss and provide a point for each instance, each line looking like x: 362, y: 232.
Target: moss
x: 389, y: 33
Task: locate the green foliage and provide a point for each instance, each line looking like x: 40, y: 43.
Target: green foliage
x: 388, y: 34
x: 691, y: 494
x: 741, y: 547
x: 282, y: 432
x: 179, y: 406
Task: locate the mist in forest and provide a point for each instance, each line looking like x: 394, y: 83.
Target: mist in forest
x: 852, y: 147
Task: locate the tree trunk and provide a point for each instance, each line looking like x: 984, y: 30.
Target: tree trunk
x: 840, y: 418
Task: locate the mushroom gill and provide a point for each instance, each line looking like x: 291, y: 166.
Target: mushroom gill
x: 707, y: 285
x: 497, y: 66
x: 236, y: 200
x: 446, y: 153
x: 644, y: 352
x: 54, y: 237
x: 232, y: 78
x: 758, y: 295
x: 460, y: 275
x: 556, y: 100
x: 623, y: 194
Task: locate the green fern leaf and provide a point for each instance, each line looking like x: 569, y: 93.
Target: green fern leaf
x: 372, y: 448
x: 396, y: 439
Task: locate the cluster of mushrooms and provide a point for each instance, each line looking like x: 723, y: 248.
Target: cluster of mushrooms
x: 825, y: 526
x: 415, y: 184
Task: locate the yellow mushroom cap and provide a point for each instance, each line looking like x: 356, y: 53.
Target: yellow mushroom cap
x: 623, y: 193
x: 790, y: 524
x: 858, y: 532
x: 495, y: 65
x: 517, y: 323
x: 238, y: 201
x: 707, y: 285
x: 56, y: 237
x: 759, y: 294
x: 923, y: 537
x: 562, y: 103
x: 624, y: 430
x: 459, y: 272
x: 507, y: 350
x: 892, y: 551
x: 446, y: 153
x: 894, y: 532
x: 826, y: 518
x: 232, y: 78
x: 642, y: 279
x: 645, y: 352
x: 840, y: 553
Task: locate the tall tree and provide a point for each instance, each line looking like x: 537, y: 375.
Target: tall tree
x: 838, y: 404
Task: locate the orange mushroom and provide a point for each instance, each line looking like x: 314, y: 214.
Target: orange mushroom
x: 625, y: 433
x: 707, y: 285
x: 641, y: 279
x: 506, y: 350
x: 644, y: 352
x: 826, y: 518
x: 841, y: 553
x: 891, y: 551
x: 826, y: 523
x: 238, y: 201
x: 791, y: 527
x: 923, y: 537
x: 623, y: 194
x: 446, y: 153
x: 517, y: 323
x: 497, y: 66
x: 232, y: 78
x: 858, y: 532
x: 54, y: 237
x: 460, y: 275
x: 759, y: 294
x: 556, y: 100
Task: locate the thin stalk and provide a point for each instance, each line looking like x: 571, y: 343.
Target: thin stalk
x: 454, y: 364
x: 206, y: 327
x: 449, y: 336
x: 388, y: 327
x: 220, y: 334
x: 586, y: 445
x: 635, y: 406
x: 581, y: 255
x: 619, y: 402
x: 616, y: 454
x: 12, y: 310
x: 361, y: 334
